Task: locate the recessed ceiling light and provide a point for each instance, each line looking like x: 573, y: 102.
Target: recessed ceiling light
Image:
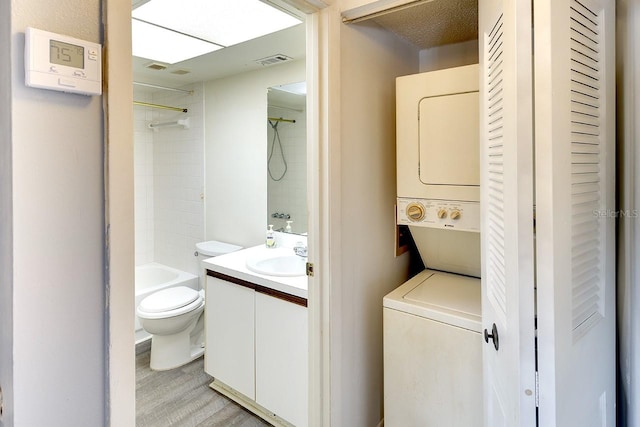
x: 153, y: 42
x: 224, y: 22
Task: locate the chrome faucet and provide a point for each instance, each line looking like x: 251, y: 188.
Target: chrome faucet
x: 300, y: 249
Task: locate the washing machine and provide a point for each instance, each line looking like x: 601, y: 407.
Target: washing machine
x: 431, y: 323
x: 432, y: 352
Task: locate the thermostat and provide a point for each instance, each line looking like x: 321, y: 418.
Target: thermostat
x: 57, y: 62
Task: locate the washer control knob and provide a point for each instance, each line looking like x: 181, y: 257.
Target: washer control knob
x: 442, y: 213
x: 455, y: 214
x: 415, y: 211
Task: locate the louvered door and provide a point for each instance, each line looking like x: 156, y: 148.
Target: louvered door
x: 507, y: 212
x: 574, y: 130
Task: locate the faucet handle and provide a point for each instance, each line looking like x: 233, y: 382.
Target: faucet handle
x: 300, y: 249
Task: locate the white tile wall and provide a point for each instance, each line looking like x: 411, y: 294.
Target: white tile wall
x: 288, y: 195
x: 143, y: 179
x: 179, y: 180
x: 169, y: 179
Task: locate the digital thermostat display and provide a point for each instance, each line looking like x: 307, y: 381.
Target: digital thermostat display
x: 68, y: 54
x: 58, y: 62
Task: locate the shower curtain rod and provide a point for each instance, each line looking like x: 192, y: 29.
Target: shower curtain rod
x: 164, y: 107
x: 276, y: 119
x: 190, y: 92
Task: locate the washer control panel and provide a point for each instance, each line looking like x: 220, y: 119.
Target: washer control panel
x: 447, y: 214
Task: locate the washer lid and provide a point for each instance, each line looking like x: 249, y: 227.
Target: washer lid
x: 449, y: 292
x: 444, y: 297
x: 169, y: 299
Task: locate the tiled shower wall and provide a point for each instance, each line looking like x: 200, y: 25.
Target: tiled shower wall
x: 177, y: 159
x: 143, y: 178
x: 289, y: 195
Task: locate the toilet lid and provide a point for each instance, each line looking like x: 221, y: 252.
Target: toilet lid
x: 169, y: 299
x: 216, y: 248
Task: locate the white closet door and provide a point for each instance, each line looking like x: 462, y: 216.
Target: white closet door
x: 574, y: 111
x: 506, y: 116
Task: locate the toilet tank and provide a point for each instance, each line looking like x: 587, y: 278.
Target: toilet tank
x: 211, y: 248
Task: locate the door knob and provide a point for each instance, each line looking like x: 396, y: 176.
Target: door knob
x: 493, y: 335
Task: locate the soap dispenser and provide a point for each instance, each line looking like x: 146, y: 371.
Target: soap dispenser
x: 271, y: 240
x: 287, y: 229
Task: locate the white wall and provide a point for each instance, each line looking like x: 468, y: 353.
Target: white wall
x: 448, y: 56
x: 57, y: 308
x: 6, y: 220
x: 628, y: 72
x: 289, y: 194
x: 363, y: 178
x: 236, y: 152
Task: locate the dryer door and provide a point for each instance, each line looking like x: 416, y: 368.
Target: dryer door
x: 448, y: 135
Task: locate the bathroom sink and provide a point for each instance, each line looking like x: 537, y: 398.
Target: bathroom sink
x: 282, y: 265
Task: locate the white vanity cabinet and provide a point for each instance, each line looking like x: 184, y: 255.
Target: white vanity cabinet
x: 257, y: 348
x: 282, y: 358
x: 230, y: 334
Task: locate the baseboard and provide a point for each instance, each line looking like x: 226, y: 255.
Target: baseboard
x: 249, y: 404
x: 381, y: 423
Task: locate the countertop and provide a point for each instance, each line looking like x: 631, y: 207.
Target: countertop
x: 234, y: 265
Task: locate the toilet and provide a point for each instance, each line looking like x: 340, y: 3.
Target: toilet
x: 174, y: 316
x: 211, y: 249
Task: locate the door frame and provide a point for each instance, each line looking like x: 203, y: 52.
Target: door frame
x: 120, y: 381
x: 119, y: 217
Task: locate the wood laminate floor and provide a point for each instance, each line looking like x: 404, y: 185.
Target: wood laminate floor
x: 182, y: 397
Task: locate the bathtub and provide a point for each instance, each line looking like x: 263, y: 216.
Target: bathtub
x: 153, y: 277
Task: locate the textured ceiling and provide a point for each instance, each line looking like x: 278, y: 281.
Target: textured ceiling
x: 434, y: 23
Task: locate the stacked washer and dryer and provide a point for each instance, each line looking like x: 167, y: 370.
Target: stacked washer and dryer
x: 432, y: 323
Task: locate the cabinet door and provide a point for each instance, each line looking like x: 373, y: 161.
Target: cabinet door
x: 229, y: 355
x: 282, y: 358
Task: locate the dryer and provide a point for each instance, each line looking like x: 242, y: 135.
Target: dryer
x: 438, y: 166
x: 437, y: 135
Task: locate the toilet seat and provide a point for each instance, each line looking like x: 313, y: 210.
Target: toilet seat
x: 170, y: 302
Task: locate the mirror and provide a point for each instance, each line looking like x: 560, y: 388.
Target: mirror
x: 287, y: 158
